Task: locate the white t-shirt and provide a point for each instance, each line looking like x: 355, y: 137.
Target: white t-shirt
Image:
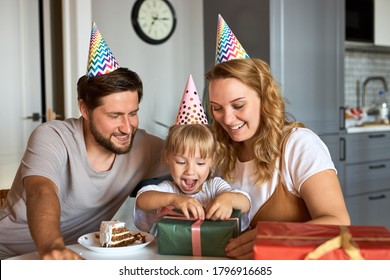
x: 144, y: 220
x: 305, y: 155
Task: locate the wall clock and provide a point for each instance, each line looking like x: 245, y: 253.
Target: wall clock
x: 154, y: 21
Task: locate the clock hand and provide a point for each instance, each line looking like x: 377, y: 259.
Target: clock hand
x: 153, y: 21
x: 165, y: 18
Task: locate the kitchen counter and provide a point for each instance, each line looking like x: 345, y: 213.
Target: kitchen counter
x: 370, y: 128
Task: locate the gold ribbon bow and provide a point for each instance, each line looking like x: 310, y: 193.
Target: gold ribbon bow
x: 343, y: 240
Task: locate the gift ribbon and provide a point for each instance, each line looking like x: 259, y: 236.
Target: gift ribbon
x: 168, y: 210
x: 169, y: 213
x: 196, y: 242
x: 344, y: 241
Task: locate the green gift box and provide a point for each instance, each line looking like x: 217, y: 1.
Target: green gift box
x: 177, y: 235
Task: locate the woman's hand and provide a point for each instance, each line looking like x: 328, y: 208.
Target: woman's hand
x: 242, y: 247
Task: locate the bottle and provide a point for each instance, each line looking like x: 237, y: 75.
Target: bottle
x: 383, y: 107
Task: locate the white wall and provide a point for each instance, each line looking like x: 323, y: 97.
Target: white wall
x: 163, y: 68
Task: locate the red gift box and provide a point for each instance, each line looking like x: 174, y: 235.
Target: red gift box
x: 298, y: 241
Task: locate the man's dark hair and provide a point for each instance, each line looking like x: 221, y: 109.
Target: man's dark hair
x: 92, y: 89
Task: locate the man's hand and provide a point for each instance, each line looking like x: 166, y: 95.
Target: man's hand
x: 61, y: 254
x: 43, y: 215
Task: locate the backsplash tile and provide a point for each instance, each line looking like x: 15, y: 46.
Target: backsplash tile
x: 358, y: 66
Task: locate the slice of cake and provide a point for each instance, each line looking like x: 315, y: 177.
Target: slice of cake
x: 115, y: 234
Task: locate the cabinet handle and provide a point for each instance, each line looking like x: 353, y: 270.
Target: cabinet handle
x: 379, y: 166
x: 342, y: 118
x: 381, y: 196
x: 377, y: 135
x: 342, y: 149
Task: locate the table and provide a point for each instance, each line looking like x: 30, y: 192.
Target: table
x: 146, y: 253
x: 149, y: 252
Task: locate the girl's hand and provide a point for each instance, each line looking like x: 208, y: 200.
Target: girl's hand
x: 220, y: 208
x: 189, y: 206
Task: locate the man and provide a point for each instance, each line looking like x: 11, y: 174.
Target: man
x: 77, y: 173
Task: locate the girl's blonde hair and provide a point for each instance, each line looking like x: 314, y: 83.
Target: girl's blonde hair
x: 256, y: 74
x: 187, y: 138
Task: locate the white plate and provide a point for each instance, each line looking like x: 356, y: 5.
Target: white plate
x: 91, y: 242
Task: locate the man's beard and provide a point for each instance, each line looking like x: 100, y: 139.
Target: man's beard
x: 106, y: 141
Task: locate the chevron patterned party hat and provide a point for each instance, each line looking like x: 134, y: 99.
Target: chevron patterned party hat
x: 228, y: 47
x: 191, y: 109
x: 100, y: 59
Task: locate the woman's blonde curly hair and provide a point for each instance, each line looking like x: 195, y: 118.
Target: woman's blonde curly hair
x: 256, y: 74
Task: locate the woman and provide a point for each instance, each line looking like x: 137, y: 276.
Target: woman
x: 285, y: 167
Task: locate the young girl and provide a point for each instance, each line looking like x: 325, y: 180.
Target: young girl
x: 189, y: 152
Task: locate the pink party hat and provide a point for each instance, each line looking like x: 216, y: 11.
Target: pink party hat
x: 228, y: 47
x: 100, y: 59
x: 191, y: 109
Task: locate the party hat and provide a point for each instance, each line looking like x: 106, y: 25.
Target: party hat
x: 228, y: 47
x: 100, y: 59
x: 191, y: 109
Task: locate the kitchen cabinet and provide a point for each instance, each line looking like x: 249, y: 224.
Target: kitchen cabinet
x: 367, y: 178
x: 367, y: 147
x: 307, y: 58
x: 336, y: 146
x: 367, y: 23
x: 370, y: 209
x: 381, y: 22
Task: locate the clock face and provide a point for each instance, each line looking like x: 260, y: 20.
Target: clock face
x: 153, y: 20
